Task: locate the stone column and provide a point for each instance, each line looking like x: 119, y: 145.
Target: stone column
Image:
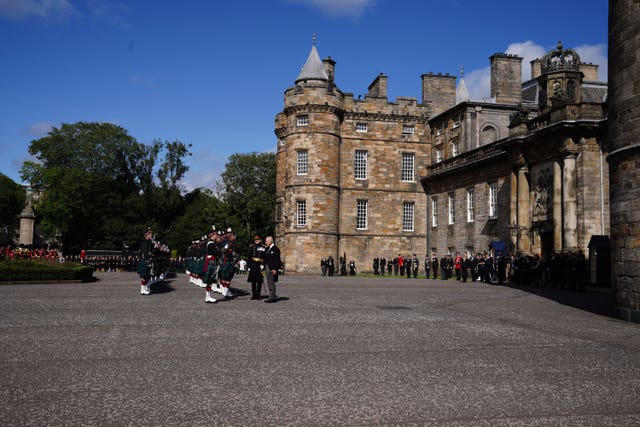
x: 524, y: 244
x: 569, y: 202
x: 557, y: 206
x: 624, y: 153
x: 513, y: 206
x: 27, y: 226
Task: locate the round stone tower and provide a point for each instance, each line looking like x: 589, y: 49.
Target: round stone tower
x: 308, y: 159
x: 624, y: 149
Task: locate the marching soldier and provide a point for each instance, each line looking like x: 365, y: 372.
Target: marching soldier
x: 144, y: 266
x: 210, y: 264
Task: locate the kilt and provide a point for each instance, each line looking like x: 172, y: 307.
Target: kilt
x: 144, y: 269
x: 226, y: 271
x: 211, y: 275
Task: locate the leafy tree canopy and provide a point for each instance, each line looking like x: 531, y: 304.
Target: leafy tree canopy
x: 248, y: 188
x: 91, y: 176
x: 12, y: 202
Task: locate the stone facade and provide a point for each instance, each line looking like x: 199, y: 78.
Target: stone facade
x: 524, y: 167
x: 624, y: 148
x: 327, y: 127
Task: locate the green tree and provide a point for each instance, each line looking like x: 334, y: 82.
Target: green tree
x: 12, y: 202
x: 98, y: 185
x: 248, y: 188
x: 203, y: 209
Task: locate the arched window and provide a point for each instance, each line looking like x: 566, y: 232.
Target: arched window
x: 488, y: 135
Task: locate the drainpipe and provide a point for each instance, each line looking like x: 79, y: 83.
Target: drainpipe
x: 601, y: 194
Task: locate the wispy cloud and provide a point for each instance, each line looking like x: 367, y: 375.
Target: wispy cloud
x: 18, y: 10
x: 595, y: 54
x: 113, y: 12
x: 339, y: 8
x: 528, y: 51
x: 38, y: 129
x: 204, y: 171
x: 479, y: 81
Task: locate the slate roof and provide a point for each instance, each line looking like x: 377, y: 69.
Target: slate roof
x: 313, y: 69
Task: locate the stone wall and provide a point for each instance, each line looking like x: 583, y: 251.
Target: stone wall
x: 624, y: 149
x: 484, y: 229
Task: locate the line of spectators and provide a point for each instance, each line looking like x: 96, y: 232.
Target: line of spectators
x: 29, y: 252
x: 123, y: 263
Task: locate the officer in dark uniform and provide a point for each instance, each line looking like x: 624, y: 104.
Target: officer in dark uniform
x: 415, y: 265
x: 434, y: 266
x: 255, y: 257
x: 427, y: 266
x: 466, y: 267
x: 407, y: 266
x: 474, y: 267
x: 383, y: 265
x: 444, y: 265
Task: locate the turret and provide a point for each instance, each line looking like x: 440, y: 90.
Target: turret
x: 308, y: 132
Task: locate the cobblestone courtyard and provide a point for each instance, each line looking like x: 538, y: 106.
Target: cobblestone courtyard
x: 333, y: 351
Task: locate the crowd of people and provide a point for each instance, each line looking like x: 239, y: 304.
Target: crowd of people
x: 49, y: 252
x: 400, y: 265
x: 328, y: 266
x: 557, y: 269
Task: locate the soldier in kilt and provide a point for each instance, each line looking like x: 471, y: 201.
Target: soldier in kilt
x: 144, y: 265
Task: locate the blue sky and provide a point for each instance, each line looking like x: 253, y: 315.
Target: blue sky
x: 213, y: 73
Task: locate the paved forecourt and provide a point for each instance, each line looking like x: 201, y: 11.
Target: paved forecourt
x: 332, y: 351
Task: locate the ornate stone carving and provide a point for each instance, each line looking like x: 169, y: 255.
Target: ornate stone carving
x: 543, y: 196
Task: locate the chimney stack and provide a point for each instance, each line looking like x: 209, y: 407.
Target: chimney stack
x: 506, y: 78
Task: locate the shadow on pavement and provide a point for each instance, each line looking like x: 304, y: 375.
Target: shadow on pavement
x: 594, y: 300
x: 162, y: 287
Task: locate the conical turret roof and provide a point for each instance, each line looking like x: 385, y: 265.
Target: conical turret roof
x: 462, y: 94
x: 313, y: 68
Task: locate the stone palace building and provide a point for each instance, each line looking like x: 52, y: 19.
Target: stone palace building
x: 366, y: 178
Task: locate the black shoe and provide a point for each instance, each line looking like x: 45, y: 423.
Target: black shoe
x: 254, y: 297
x: 271, y: 300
